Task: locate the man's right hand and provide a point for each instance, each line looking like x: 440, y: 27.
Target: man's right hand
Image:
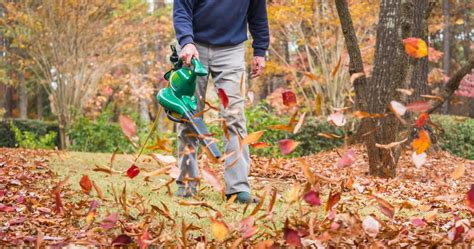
x: 188, y: 52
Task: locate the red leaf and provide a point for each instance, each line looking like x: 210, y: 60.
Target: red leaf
x: 419, y: 106
x: 86, y: 184
x: 287, y: 146
x: 470, y: 199
x: 109, y: 221
x: 289, y: 98
x: 133, y: 171
x: 122, y: 239
x: 129, y: 128
x: 223, y: 97
x: 421, y: 121
x: 347, y: 159
x: 58, y: 201
x: 291, y: 237
x: 417, y: 222
x: 332, y: 200
x: 211, y: 177
x: 6, y: 209
x: 312, y: 198
x: 246, y: 227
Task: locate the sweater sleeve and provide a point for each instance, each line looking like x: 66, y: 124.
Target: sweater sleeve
x: 258, y: 26
x: 183, y: 21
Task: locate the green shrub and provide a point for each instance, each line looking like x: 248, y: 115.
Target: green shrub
x: 35, y: 128
x: 29, y: 140
x: 456, y: 137
x: 97, y: 136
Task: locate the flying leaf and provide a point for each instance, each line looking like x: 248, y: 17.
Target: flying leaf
x: 246, y: 227
x: 390, y: 145
x: 300, y: 123
x: 307, y: 171
x: 419, y: 106
x: 109, y: 221
x: 92, y: 211
x: 333, y: 198
x: 312, y: 198
x: 458, y: 172
x: 371, y: 226
x: 422, y: 143
x: 211, y: 177
x: 251, y: 96
x: 86, y: 184
x: 347, y: 159
x: 289, y: 98
x: 311, y: 76
x: 470, y: 199
x: 223, y: 97
x: 355, y: 76
x: 287, y: 146
x: 398, y: 107
x: 219, y: 230
x: 122, y: 240
x: 415, y: 47
x: 294, y: 193
x: 260, y: 145
x: 133, y: 171
x: 319, y: 104
x: 292, y: 238
x: 144, y: 239
x: 408, y: 92
x: 129, y: 128
x: 361, y: 115
x: 422, y: 119
x: 418, y: 159
x: 337, y: 119
x: 336, y: 68
x: 252, y: 137
x: 329, y: 135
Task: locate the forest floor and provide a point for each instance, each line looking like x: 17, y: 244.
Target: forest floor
x: 42, y: 202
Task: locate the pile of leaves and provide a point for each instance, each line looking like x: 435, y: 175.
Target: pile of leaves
x: 324, y: 196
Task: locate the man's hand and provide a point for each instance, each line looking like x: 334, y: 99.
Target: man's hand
x: 258, y: 64
x: 188, y: 52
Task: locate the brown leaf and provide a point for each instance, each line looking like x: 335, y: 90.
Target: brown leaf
x: 458, y: 172
x: 300, y: 123
x: 336, y: 68
x: 252, y: 137
x: 333, y: 198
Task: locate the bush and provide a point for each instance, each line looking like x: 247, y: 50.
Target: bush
x: 35, y: 128
x: 29, y: 140
x: 455, y: 136
x: 97, y: 136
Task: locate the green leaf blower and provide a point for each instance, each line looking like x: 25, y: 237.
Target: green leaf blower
x: 179, y: 102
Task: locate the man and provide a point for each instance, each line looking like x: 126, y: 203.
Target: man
x: 214, y: 31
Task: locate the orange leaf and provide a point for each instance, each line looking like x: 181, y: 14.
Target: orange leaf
x: 260, y: 145
x: 287, y: 146
x: 422, y: 143
x: 415, y: 47
x: 86, y: 184
x: 332, y: 200
x: 336, y: 68
x: 252, y: 137
x: 458, y: 172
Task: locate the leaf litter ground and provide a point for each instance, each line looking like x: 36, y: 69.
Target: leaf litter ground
x: 306, y: 201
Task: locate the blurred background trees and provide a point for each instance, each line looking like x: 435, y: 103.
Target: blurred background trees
x: 66, y: 61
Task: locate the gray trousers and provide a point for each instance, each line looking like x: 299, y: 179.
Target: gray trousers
x: 226, y: 66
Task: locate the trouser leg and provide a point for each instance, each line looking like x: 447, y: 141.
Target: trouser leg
x: 227, y: 66
x: 188, y: 145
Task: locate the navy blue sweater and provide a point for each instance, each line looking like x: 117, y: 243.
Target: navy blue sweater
x: 222, y: 22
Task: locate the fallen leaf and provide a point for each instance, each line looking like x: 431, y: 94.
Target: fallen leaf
x: 333, y: 198
x: 133, y: 171
x: 417, y: 222
x: 419, y: 159
x: 291, y: 237
x: 337, y: 119
x: 86, y: 184
x: 129, y: 128
x: 470, y: 199
x: 386, y: 208
x: 289, y: 98
x: 109, y: 221
x: 219, y: 230
x: 415, y: 47
x: 371, y: 226
x: 312, y: 198
x: 223, y: 97
x: 458, y: 172
x: 287, y: 146
x: 431, y: 215
x: 122, y: 240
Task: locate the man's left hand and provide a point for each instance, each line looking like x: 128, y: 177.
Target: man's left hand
x: 258, y: 64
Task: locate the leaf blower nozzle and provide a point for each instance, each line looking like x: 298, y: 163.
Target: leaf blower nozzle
x: 179, y: 102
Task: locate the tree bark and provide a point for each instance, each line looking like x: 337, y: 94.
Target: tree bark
x: 22, y: 97
x: 446, y: 46
x: 8, y: 104
x: 39, y: 101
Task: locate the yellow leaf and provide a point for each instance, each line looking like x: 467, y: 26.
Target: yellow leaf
x: 294, y: 193
x: 422, y: 143
x: 415, y: 47
x: 458, y: 172
x: 318, y: 104
x: 219, y: 230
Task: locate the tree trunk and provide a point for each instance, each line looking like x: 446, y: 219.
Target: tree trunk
x: 446, y: 47
x: 22, y: 97
x: 39, y: 101
x: 466, y: 32
x: 8, y: 104
x: 389, y: 73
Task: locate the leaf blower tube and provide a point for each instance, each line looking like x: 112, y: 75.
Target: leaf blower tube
x: 179, y: 102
